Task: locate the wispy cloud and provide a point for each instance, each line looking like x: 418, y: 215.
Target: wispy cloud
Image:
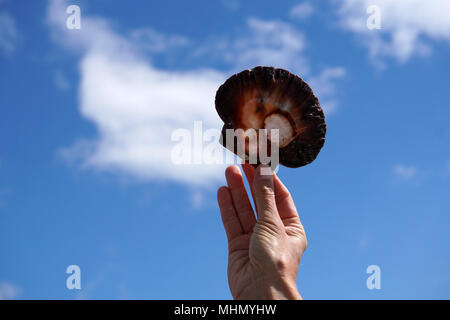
x: 405, y: 172
x: 408, y: 27
x: 8, y: 33
x: 258, y: 42
x: 324, y: 85
x: 302, y: 10
x: 156, y: 42
x: 8, y: 291
x: 269, y: 42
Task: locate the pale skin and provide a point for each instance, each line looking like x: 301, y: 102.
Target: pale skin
x: 264, y: 251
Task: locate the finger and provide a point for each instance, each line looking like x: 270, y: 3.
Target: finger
x: 264, y: 195
x: 229, y: 218
x: 240, y: 198
x: 283, y: 199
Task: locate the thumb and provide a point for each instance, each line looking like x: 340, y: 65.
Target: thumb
x: 264, y: 195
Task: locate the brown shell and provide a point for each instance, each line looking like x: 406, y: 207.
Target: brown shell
x: 248, y: 98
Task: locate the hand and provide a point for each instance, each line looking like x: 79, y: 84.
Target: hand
x: 264, y: 253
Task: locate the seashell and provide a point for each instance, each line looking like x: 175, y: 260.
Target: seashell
x: 271, y: 98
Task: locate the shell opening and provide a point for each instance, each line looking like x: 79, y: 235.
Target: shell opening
x: 280, y: 122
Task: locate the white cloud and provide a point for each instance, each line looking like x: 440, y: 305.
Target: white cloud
x: 8, y: 291
x: 407, y: 26
x: 134, y: 105
x: 405, y: 172
x: 8, y: 33
x: 137, y: 108
x: 302, y: 10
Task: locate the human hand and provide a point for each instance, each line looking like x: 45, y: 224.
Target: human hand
x: 263, y: 253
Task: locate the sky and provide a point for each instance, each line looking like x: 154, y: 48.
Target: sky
x: 87, y: 122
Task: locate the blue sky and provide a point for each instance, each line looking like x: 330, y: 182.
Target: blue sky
x: 85, y: 142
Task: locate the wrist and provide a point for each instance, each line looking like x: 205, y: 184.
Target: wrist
x: 272, y: 289
x: 283, y: 289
